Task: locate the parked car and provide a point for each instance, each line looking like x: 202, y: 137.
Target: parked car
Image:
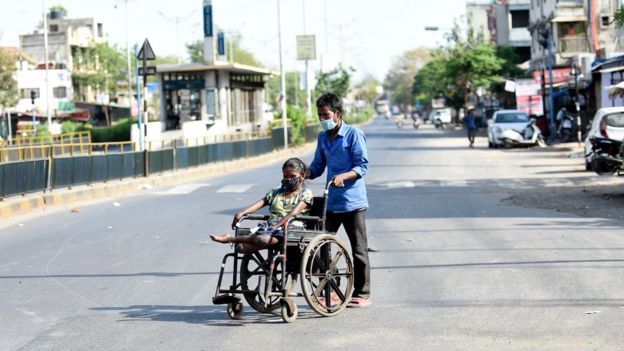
x: 440, y: 116
x: 513, y: 128
x: 608, y: 124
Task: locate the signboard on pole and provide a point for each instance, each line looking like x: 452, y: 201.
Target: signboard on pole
x: 306, y: 47
x: 528, y: 97
x: 559, y: 75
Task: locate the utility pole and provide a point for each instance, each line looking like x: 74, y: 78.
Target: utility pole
x: 553, y: 132
x: 45, y: 54
x: 283, y: 78
x: 307, y: 72
x: 128, y: 59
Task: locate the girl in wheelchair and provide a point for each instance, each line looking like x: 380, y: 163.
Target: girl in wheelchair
x: 286, y: 202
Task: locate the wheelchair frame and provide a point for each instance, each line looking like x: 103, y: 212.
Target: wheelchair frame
x: 325, y: 267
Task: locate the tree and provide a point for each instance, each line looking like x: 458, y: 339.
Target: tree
x: 294, y: 95
x: 8, y: 85
x: 337, y: 81
x: 59, y: 8
x: 400, y: 77
x: 367, y: 89
x: 618, y: 17
x: 99, y: 66
x: 195, y: 51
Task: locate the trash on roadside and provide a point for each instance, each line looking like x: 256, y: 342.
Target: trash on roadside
x: 75, y: 209
x: 145, y: 186
x: 116, y: 204
x: 592, y: 312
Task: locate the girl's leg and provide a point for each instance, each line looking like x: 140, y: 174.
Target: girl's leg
x: 261, y: 240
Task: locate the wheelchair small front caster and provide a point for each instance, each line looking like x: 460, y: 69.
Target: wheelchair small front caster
x: 235, y: 310
x: 289, y: 311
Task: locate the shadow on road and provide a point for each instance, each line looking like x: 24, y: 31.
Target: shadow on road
x: 213, y: 315
x: 606, y: 263
x: 110, y: 275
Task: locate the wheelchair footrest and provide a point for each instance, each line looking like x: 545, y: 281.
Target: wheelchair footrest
x: 225, y: 299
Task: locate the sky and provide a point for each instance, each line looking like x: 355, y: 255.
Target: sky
x: 364, y: 34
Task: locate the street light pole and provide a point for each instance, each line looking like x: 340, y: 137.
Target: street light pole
x: 45, y: 54
x: 128, y: 59
x: 283, y: 78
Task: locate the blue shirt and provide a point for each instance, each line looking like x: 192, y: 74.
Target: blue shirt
x: 347, y: 152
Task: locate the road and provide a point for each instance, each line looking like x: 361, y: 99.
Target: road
x: 455, y: 268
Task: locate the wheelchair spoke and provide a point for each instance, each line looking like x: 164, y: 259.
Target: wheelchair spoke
x: 334, y: 262
x: 320, y: 287
x: 336, y: 288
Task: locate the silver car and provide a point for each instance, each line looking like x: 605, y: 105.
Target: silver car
x: 504, y: 121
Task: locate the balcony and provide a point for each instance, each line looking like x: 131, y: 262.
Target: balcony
x: 520, y: 36
x: 573, y: 44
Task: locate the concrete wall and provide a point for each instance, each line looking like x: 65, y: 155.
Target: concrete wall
x: 35, y: 79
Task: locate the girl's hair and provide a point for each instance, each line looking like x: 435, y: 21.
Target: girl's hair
x: 298, y: 165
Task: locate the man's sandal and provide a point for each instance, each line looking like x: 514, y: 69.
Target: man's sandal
x: 357, y: 302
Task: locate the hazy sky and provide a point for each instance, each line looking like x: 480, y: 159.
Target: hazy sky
x: 367, y: 34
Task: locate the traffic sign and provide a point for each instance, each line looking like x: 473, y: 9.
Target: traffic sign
x: 146, y: 52
x: 306, y: 47
x: 149, y: 71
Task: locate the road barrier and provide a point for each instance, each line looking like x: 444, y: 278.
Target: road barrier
x: 32, y: 168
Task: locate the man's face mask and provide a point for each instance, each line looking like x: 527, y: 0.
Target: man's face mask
x: 290, y: 184
x: 328, y: 124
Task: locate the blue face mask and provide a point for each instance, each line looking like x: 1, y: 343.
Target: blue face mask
x: 328, y: 124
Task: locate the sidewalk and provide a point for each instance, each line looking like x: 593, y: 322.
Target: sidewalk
x: 24, y: 204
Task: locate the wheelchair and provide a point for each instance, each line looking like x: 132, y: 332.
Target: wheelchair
x: 267, y: 278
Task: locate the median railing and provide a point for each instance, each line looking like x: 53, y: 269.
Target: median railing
x: 32, y: 168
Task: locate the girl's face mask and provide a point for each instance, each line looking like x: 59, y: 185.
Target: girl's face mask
x: 290, y: 184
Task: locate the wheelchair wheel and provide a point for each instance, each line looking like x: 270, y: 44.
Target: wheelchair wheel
x: 327, y: 275
x: 254, y: 271
x: 289, y: 311
x: 235, y: 310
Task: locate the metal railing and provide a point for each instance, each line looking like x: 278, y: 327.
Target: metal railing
x: 575, y: 44
x: 66, y: 138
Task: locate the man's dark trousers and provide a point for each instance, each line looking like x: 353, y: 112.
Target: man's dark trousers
x: 355, y: 225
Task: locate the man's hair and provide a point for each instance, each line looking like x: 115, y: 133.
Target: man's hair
x: 331, y: 101
x: 298, y: 165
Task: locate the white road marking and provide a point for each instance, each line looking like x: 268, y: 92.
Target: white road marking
x: 235, y: 188
x: 182, y: 189
x: 403, y: 184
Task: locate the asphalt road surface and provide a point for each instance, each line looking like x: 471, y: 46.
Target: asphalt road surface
x: 455, y: 268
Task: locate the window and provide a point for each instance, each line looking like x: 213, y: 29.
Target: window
x: 25, y: 93
x: 211, y: 103
x: 519, y: 19
x: 59, y: 92
x: 511, y: 118
x: 54, y: 28
x: 100, y: 30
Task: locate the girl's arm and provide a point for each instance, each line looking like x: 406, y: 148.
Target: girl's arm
x: 251, y: 209
x: 294, y: 212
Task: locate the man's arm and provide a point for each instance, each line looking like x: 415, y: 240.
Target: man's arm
x: 317, y: 167
x: 359, y: 154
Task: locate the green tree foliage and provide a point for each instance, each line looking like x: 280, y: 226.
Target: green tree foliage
x: 60, y: 9
x: 195, y: 51
x: 294, y: 95
x: 400, y: 77
x: 338, y: 81
x: 100, y: 66
x: 457, y: 71
x: 366, y: 89
x: 618, y: 17
x: 8, y: 85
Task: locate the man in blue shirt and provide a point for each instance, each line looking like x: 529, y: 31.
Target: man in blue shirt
x: 341, y: 149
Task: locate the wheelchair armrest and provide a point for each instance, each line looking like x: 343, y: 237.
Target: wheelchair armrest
x: 308, y: 218
x: 255, y: 217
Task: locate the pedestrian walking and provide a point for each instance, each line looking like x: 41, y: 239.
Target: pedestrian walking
x: 470, y: 121
x: 341, y: 148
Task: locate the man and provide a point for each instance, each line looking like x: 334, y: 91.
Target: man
x: 342, y: 149
x: 471, y: 126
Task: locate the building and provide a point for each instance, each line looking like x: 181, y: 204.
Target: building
x: 509, y: 23
x: 477, y: 15
x: 68, y: 38
x: 567, y: 21
x: 215, y: 97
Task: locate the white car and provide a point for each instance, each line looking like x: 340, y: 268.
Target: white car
x: 501, y: 122
x: 440, y: 117
x: 608, y: 123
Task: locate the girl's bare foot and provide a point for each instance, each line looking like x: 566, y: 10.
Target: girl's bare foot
x: 223, y: 238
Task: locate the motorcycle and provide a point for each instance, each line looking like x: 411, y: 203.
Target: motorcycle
x: 567, y: 128
x: 415, y: 122
x: 607, y: 156
x: 531, y: 135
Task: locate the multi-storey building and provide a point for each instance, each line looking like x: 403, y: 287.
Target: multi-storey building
x: 508, y: 24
